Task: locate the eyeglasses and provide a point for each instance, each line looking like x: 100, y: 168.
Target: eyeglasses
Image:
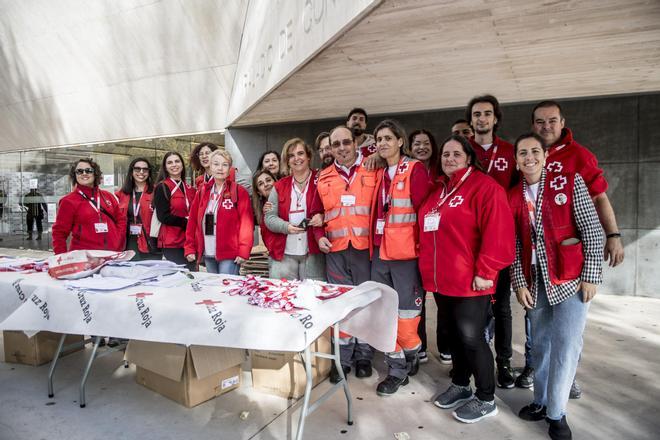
x: 344, y: 142
x: 81, y: 171
x: 141, y: 169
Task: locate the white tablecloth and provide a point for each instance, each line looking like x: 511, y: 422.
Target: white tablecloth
x: 183, y: 315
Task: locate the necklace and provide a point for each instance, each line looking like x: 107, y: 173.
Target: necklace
x: 301, y: 183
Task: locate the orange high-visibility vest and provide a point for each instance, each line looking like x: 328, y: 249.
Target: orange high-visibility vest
x: 347, y: 223
x: 400, y: 235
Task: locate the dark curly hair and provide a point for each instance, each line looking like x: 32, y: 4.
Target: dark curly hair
x: 194, y: 156
x: 92, y: 164
x: 489, y: 99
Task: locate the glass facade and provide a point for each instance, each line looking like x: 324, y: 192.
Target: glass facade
x: 46, y: 171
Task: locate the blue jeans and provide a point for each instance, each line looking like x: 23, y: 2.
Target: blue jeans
x: 557, y: 331
x: 223, y: 266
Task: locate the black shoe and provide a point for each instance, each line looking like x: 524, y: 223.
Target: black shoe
x: 526, y: 378
x: 412, y: 362
x: 101, y: 342
x: 115, y: 342
x: 29, y: 237
x: 505, y: 375
x: 39, y: 237
x: 532, y: 412
x: 390, y: 385
x: 363, y: 369
x: 334, y: 373
x: 559, y: 430
x: 576, y: 390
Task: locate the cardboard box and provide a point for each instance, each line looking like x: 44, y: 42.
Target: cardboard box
x: 187, y: 375
x: 283, y: 373
x: 37, y: 350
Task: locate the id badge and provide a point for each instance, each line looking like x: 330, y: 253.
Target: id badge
x: 135, y: 229
x: 209, y: 224
x: 100, y: 227
x: 380, y: 226
x: 431, y: 222
x: 347, y: 200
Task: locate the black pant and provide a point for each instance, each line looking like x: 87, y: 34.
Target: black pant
x: 441, y: 329
x: 502, y: 313
x: 30, y: 222
x: 176, y: 255
x: 470, y: 352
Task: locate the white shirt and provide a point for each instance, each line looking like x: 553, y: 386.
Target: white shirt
x: 532, y: 194
x: 486, y: 147
x: 391, y: 171
x: 296, y: 244
x: 347, y: 170
x: 211, y: 207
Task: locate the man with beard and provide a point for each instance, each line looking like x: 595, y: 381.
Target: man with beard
x: 497, y: 158
x: 322, y: 145
x: 357, y: 122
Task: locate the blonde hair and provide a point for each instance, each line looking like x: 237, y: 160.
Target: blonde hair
x: 288, y: 145
x: 221, y: 153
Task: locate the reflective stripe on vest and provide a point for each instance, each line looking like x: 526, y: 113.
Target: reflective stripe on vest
x: 402, y: 203
x: 347, y: 210
x: 343, y: 232
x: 360, y: 232
x: 402, y: 218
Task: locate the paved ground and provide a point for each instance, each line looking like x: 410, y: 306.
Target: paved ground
x: 619, y: 374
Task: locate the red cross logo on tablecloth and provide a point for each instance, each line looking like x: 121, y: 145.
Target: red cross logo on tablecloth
x: 207, y: 302
x: 403, y: 167
x: 455, y: 201
x: 555, y: 166
x: 227, y: 204
x: 558, y: 183
x: 141, y: 294
x: 501, y: 164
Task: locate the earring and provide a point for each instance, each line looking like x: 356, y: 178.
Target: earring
x: 517, y: 167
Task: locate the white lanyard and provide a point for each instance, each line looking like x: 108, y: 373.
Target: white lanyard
x: 136, y: 207
x: 215, y: 199
x: 492, y: 159
x: 96, y: 208
x: 185, y: 196
x: 301, y: 194
x: 443, y: 197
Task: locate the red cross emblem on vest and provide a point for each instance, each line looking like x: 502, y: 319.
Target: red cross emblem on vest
x: 403, y: 167
x: 501, y: 164
x: 455, y: 201
x: 371, y: 148
x: 227, y: 204
x: 558, y: 183
x: 207, y: 302
x: 141, y: 295
x: 555, y: 167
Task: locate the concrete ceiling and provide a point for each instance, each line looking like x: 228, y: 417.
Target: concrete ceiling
x: 410, y: 55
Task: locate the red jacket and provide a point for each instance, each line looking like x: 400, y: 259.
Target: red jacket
x: 558, y: 221
x: 278, y: 241
x: 146, y: 211
x: 171, y: 235
x: 475, y: 236
x: 234, y: 233
x: 76, y: 217
x: 568, y: 156
x: 500, y: 165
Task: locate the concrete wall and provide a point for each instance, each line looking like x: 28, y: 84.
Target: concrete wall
x: 623, y: 133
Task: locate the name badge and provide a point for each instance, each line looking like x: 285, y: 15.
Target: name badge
x: 347, y: 200
x: 135, y: 229
x: 380, y: 226
x: 431, y: 222
x: 100, y: 227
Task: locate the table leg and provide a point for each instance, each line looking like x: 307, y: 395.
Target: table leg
x: 88, y: 367
x: 53, y: 364
x: 308, y: 392
x: 344, y: 381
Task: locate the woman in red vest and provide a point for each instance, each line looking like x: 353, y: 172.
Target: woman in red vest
x: 424, y: 148
x: 294, y: 253
x: 90, y: 215
x: 172, y: 199
x: 467, y: 238
x: 394, y: 235
x: 199, y: 159
x: 554, y: 277
x: 135, y: 204
x: 221, y: 227
x: 262, y: 185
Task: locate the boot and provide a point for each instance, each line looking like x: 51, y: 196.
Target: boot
x: 412, y: 361
x: 39, y: 236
